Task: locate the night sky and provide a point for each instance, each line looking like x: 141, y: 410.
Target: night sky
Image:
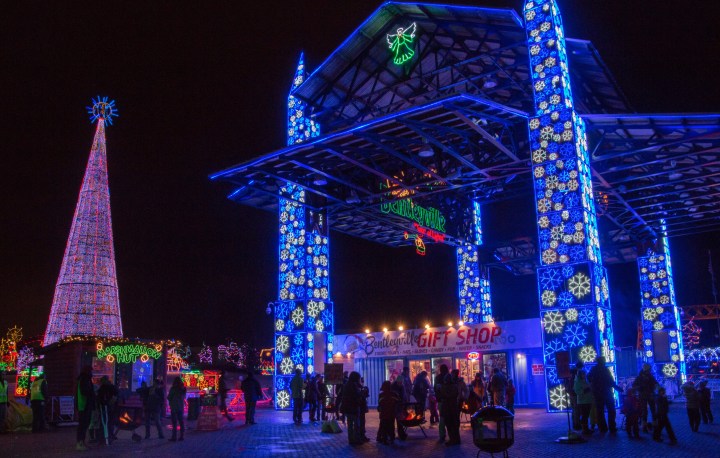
x: 202, y: 86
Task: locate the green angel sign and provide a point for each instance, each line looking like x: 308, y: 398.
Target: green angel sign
x: 401, y: 44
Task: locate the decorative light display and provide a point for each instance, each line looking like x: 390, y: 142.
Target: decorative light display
x: 428, y: 217
x: 300, y: 126
x: 572, y: 283
x: 660, y: 313
x: 176, y: 359
x: 690, y: 334
x: 206, y: 355
x: 473, y: 286
x: 128, y: 353
x: 23, y: 379
x: 86, y: 295
x: 401, y: 44
x: 419, y: 244
x: 477, y: 223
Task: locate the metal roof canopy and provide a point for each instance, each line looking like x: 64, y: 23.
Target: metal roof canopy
x: 466, y: 96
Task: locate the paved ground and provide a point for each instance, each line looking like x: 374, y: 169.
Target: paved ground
x: 275, y: 435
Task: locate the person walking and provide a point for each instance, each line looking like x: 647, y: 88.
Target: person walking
x: 438, y: 387
x: 350, y: 407
x: 296, y: 388
x: 663, y: 422
x: 388, y: 402
x: 152, y: 397
x: 705, y: 395
x: 85, y: 404
x: 498, y: 382
x: 223, y: 391
x: 450, y: 409
x: 251, y: 392
x: 510, y: 396
x: 323, y: 394
x: 107, y: 396
x: 646, y: 383
x: 311, y: 398
x: 38, y: 394
x: 420, y: 389
x: 584, y: 400
x: 176, y: 399
x: 692, y: 404
x: 3, y: 401
x: 601, y: 385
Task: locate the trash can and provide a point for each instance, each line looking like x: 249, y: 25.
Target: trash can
x: 193, y: 408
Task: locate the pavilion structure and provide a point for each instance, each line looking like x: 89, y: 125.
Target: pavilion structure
x: 86, y: 301
x: 429, y: 113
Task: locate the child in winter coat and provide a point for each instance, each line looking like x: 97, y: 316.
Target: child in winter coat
x: 692, y: 403
x: 387, y: 406
x: 662, y: 418
x: 433, y: 402
x: 704, y: 393
x: 632, y: 410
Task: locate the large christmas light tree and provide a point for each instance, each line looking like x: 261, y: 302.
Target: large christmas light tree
x: 86, y: 295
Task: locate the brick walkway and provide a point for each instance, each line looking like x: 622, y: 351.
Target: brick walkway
x: 275, y: 435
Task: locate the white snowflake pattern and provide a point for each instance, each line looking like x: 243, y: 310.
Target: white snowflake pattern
x: 575, y: 335
x: 579, y: 285
x: 587, y: 354
x: 553, y: 322
x: 649, y: 313
x: 286, y: 366
x: 283, y: 399
x: 298, y: 316
x: 282, y: 344
x: 669, y: 370
x: 559, y: 398
x: 571, y: 315
x: 313, y: 309
x: 548, y: 298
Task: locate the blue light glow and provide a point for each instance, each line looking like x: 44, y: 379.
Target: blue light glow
x: 473, y: 287
x: 300, y: 126
x: 102, y: 109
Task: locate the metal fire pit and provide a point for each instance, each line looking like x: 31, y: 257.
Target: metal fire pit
x: 492, y: 429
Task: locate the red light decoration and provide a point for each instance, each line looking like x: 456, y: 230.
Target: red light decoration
x: 473, y: 356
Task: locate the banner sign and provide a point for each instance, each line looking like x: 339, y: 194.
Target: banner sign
x: 538, y: 369
x: 67, y: 405
x: 484, y: 337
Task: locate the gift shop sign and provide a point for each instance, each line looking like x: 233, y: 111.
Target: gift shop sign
x: 502, y: 335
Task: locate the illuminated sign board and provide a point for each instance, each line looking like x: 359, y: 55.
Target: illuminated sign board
x: 127, y: 353
x: 429, y: 217
x: 473, y: 356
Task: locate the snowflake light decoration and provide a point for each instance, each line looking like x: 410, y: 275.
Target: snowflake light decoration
x: 282, y: 344
x: 283, y: 399
x: 559, y: 398
x: 575, y: 335
x: 579, y: 285
x: 550, y: 279
x: 565, y: 299
x: 649, y: 314
x: 669, y: 370
x: 298, y: 340
x: 297, y: 355
x: 548, y: 298
x: 298, y: 316
x: 571, y: 315
x: 553, y: 347
x: 286, y: 366
x: 553, y: 322
x: 313, y: 309
x: 587, y: 354
x: 552, y: 375
x: 102, y: 109
x: 279, y: 325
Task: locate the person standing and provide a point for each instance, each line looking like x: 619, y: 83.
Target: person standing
x: 433, y: 404
x: 439, y: 382
x: 510, y: 396
x: 38, y: 394
x: 570, y: 389
x: 421, y: 386
x: 152, y: 401
x: 296, y: 387
x: 176, y: 399
x: 632, y: 410
x: 692, y: 404
x: 107, y: 398
x: 478, y: 392
x: 584, y: 400
x: 251, y: 392
x: 406, y: 383
x: 705, y: 412
x: 311, y: 397
x: 645, y: 383
x: 498, y: 383
x: 350, y: 407
x: 662, y: 418
x: 601, y: 385
x: 399, y: 389
x: 364, y: 395
x: 387, y: 406
x: 323, y: 394
x: 451, y: 407
x: 3, y: 401
x: 223, y: 391
x: 85, y: 405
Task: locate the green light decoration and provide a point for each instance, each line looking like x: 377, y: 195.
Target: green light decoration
x: 401, y: 44
x: 127, y: 353
x: 428, y: 217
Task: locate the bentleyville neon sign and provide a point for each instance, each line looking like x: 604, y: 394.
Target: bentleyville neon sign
x: 428, y: 217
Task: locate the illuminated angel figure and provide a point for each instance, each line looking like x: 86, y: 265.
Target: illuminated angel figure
x: 401, y: 42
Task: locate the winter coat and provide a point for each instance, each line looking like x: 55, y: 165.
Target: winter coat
x: 85, y: 388
x: 692, y: 397
x: 296, y: 387
x: 662, y: 407
x: 449, y: 399
x: 582, y: 390
x: 388, y: 405
x: 631, y: 405
x: 498, y: 383
x: 176, y: 398
x: 645, y: 383
x: 704, y: 394
x: 601, y: 381
x: 351, y: 399
x: 420, y: 388
x: 311, y: 391
x: 251, y: 389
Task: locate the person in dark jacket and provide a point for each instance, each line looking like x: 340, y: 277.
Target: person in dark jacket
x: 662, y: 418
x: 646, y: 383
x: 85, y: 405
x: 632, y: 410
x: 364, y: 395
x: 498, y: 382
x: 323, y: 394
x: 152, y: 397
x: 38, y: 395
x: 420, y: 389
x: 602, y: 384
x: 399, y: 389
x: 176, y: 399
x: 387, y: 406
x: 705, y: 412
x: 297, y: 385
x: 107, y: 396
x: 439, y: 382
x: 451, y: 408
x: 251, y: 392
x: 350, y: 407
x: 311, y: 397
x: 692, y: 403
x: 223, y: 391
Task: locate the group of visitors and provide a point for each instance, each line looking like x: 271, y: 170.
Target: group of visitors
x: 312, y: 392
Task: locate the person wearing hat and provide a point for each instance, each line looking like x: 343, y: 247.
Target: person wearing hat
x: 38, y: 394
x: 646, y: 383
x: 704, y: 392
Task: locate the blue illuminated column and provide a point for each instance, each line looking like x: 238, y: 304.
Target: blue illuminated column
x: 304, y: 322
x: 572, y: 282
x: 473, y: 280
x: 662, y: 332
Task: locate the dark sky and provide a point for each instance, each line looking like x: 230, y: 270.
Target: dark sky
x: 203, y: 85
